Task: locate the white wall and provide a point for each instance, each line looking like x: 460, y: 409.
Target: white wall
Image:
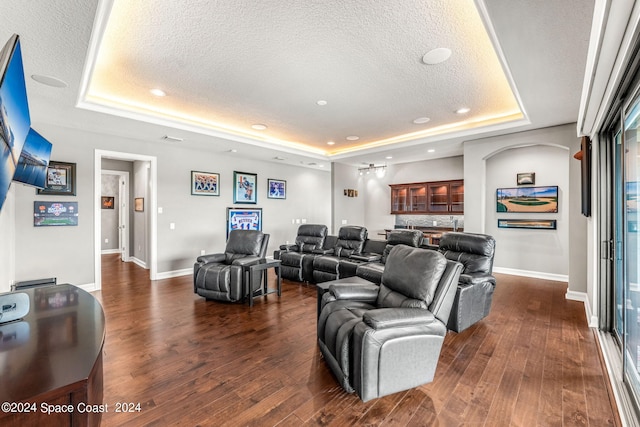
x: 7, y: 241
x: 480, y: 185
x: 68, y: 252
x: 347, y: 210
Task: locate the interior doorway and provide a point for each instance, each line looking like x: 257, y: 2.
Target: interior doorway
x: 115, y: 218
x: 150, y: 214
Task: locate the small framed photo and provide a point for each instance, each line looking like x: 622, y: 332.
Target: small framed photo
x: 60, y: 179
x: 244, y: 187
x: 107, y: 202
x: 138, y: 205
x: 277, y: 189
x: 527, y: 178
x: 205, y: 183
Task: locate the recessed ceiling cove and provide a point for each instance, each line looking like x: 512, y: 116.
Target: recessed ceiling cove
x: 226, y: 66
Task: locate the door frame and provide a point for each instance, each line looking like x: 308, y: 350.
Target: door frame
x: 152, y: 238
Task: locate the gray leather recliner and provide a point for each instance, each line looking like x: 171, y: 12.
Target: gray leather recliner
x: 372, y: 271
x: 310, y: 239
x: 221, y: 276
x: 379, y: 340
x: 477, y: 284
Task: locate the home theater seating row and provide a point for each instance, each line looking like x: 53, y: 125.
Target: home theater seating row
x: 317, y: 257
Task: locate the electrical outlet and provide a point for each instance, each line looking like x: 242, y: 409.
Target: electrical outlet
x: 201, y: 251
x: 297, y: 220
x: 344, y: 221
x: 304, y: 220
x: 159, y: 210
x: 172, y: 226
x: 106, y: 240
x: 435, y: 223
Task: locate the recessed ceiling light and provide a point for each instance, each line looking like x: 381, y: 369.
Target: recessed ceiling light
x: 49, y: 80
x: 321, y: 166
x: 259, y: 126
x: 389, y: 157
x: 421, y: 120
x: 431, y: 150
x: 330, y: 143
x: 463, y: 110
x: 158, y: 92
x: 321, y: 102
x: 353, y: 138
x: 436, y: 56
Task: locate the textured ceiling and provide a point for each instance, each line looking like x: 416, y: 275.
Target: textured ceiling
x: 228, y: 65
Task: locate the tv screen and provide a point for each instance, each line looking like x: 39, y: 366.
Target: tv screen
x: 14, y: 112
x: 33, y: 161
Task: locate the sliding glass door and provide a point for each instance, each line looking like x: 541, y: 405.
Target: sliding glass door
x: 628, y: 316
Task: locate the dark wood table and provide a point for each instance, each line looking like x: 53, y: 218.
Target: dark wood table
x: 51, y: 361
x: 250, y: 277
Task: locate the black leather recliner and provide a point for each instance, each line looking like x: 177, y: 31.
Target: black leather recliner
x: 221, y: 276
x: 372, y: 271
x: 310, y: 239
x: 475, y: 289
x: 382, y: 339
x: 350, y: 242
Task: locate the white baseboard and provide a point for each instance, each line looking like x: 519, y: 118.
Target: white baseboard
x: 174, y: 273
x: 89, y: 287
x: 110, y: 251
x: 138, y: 262
x: 533, y: 274
x: 592, y: 320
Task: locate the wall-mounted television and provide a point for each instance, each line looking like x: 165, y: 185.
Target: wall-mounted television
x: 527, y: 199
x: 34, y: 159
x: 15, y: 121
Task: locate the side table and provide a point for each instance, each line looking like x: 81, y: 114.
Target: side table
x: 250, y: 273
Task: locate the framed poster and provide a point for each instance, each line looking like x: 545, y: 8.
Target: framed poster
x: 539, y: 224
x: 244, y: 187
x: 205, y: 183
x: 244, y: 219
x: 55, y: 213
x: 527, y: 199
x: 277, y: 189
x: 107, y: 202
x: 138, y: 204
x: 60, y: 179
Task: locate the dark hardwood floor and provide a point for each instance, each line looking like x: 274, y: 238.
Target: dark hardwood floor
x: 189, y: 362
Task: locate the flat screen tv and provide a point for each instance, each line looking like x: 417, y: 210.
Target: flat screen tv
x: 527, y: 199
x: 14, y: 112
x: 34, y: 159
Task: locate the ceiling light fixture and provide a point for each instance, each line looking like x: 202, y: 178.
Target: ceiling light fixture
x: 421, y: 120
x: 379, y: 170
x: 353, y: 138
x: 431, y: 150
x: 330, y: 143
x: 436, y: 56
x: 49, y: 80
x: 389, y: 157
x: 463, y: 110
x: 259, y: 126
x: 158, y: 92
x: 321, y: 102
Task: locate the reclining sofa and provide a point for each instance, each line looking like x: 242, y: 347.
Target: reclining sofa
x: 297, y: 259
x: 372, y: 271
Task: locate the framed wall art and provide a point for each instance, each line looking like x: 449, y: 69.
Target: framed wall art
x: 107, y: 202
x: 527, y: 199
x: 244, y: 187
x: 527, y: 178
x: 55, y: 214
x: 540, y: 224
x: 205, y: 183
x: 277, y: 189
x: 138, y: 204
x: 244, y: 219
x: 60, y: 179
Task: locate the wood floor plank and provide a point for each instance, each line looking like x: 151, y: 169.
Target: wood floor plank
x: 192, y: 362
